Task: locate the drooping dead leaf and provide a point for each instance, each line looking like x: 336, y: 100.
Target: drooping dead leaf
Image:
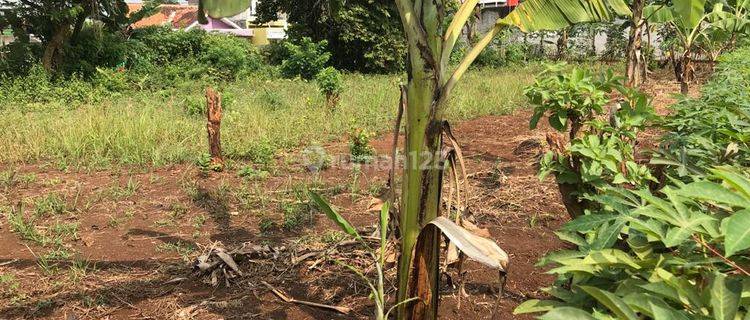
x: 452, y: 252
x: 477, y: 248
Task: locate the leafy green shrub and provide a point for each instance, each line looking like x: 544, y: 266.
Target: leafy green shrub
x: 601, y: 153
x: 359, y: 146
x: 501, y: 52
x: 18, y: 58
x: 95, y: 48
x: 227, y: 56
x: 169, y: 45
x: 682, y: 252
x: 205, y: 164
x: 112, y: 80
x: 306, y: 59
x: 330, y: 83
x: 276, y: 52
x: 715, y: 128
x: 676, y: 255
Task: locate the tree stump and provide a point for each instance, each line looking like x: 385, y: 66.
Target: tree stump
x: 213, y: 112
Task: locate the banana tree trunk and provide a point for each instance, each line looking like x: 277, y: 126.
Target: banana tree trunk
x: 421, y: 190
x: 422, y: 175
x: 686, y: 71
x: 562, y: 45
x: 636, y: 67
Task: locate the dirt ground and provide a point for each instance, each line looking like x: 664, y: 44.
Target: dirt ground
x: 138, y: 231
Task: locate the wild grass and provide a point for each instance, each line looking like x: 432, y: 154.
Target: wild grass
x: 260, y: 118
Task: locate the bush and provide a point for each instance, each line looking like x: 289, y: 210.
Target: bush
x: 306, y: 59
x: 169, y: 45
x: 227, y: 56
x: 677, y: 250
x: 94, y: 48
x: 17, y: 58
x: 359, y: 146
x: 276, y: 52
x: 713, y: 129
x: 330, y: 83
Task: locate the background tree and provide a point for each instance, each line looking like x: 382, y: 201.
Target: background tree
x: 58, y: 23
x: 362, y: 35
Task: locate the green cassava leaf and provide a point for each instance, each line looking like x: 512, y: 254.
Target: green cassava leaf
x: 725, y: 297
x: 734, y: 179
x: 737, y: 232
x: 532, y: 306
x: 713, y: 192
x: 567, y: 313
x: 588, y: 222
x: 612, y: 302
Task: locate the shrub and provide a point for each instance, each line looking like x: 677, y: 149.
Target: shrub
x: 681, y: 252
x: 227, y: 56
x: 601, y: 153
x: 359, y: 146
x: 330, y: 83
x: 17, y: 58
x: 276, y: 52
x: 306, y: 59
x: 713, y: 129
x: 170, y: 45
x: 95, y: 48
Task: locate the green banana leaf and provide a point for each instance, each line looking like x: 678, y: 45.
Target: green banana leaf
x: 220, y: 8
x: 535, y: 15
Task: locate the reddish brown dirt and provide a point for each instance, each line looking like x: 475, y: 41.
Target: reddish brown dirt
x: 127, y: 240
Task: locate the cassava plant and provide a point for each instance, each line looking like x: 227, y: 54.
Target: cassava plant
x: 330, y: 84
x: 596, y: 152
x: 430, y: 43
x: 678, y: 254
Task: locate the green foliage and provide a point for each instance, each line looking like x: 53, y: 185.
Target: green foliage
x: 330, y: 84
x: 205, y: 165
x: 568, y: 98
x: 251, y: 173
x: 617, y: 42
x: 712, y: 129
x: 681, y: 252
x: 659, y: 253
x: 363, y: 35
x: 502, y: 52
x: 228, y: 56
x: 359, y: 146
x: 306, y: 59
x: 329, y: 81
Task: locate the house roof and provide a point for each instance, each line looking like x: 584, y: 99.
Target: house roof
x: 186, y: 17
x: 175, y: 15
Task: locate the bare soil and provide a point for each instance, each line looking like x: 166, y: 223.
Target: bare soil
x: 139, y: 230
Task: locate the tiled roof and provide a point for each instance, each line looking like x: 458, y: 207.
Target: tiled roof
x: 175, y: 15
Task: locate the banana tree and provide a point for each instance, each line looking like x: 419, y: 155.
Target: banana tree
x: 635, y: 69
x: 688, y: 18
x: 727, y: 22
x: 431, y: 81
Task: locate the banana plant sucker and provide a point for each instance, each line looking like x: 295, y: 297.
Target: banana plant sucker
x: 429, y: 86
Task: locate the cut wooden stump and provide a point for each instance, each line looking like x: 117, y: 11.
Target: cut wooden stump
x: 213, y: 112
